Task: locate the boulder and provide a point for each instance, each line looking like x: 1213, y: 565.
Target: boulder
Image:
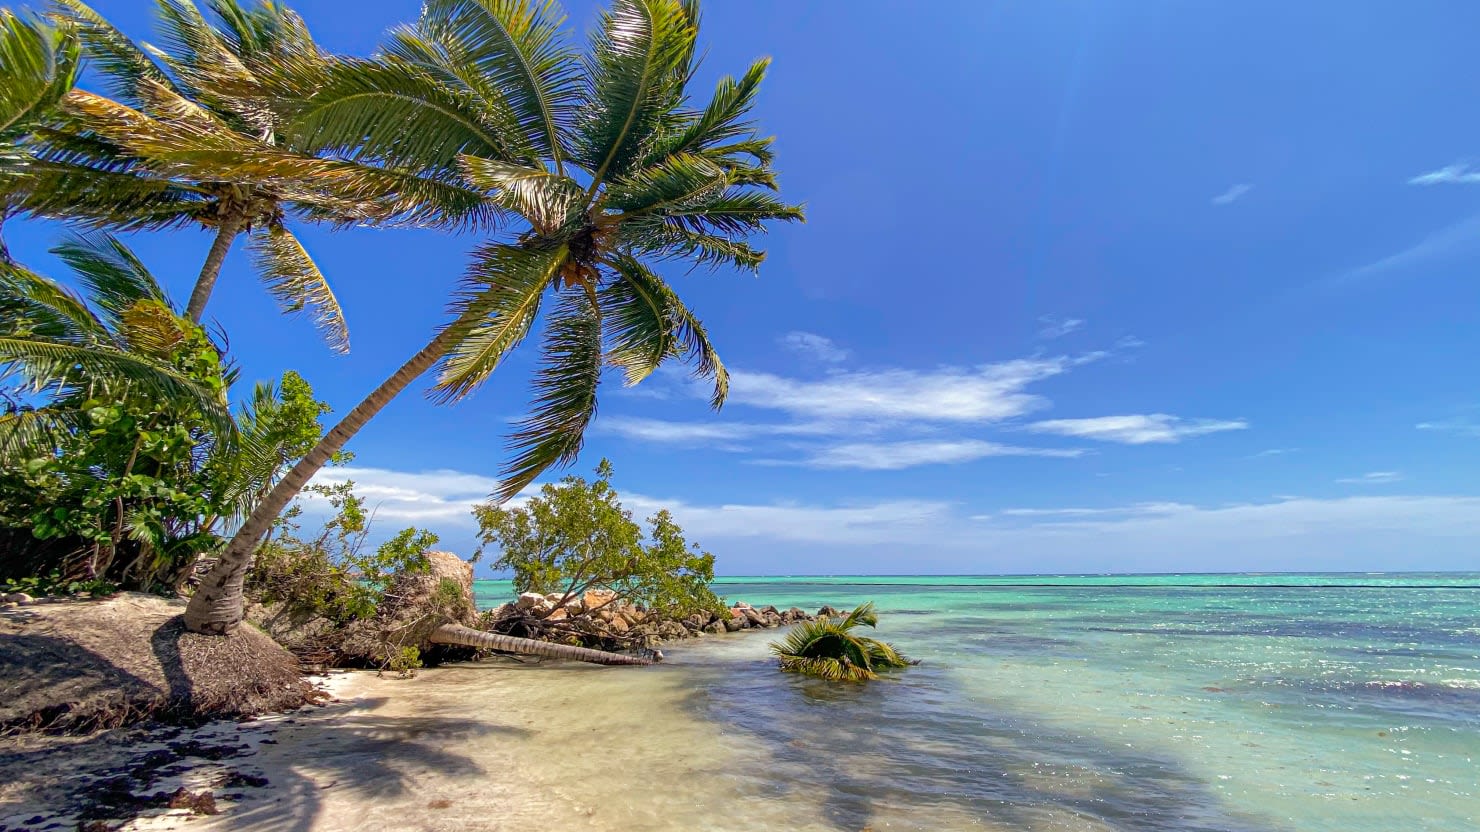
x: 617, y: 625
x: 18, y: 598
x: 416, y: 604
x: 753, y: 616
x: 831, y: 612
x: 796, y: 614
x: 715, y: 627
x: 736, y: 623
x: 595, y: 598
x: 531, y: 601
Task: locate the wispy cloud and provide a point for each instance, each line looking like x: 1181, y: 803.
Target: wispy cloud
x: 1458, y: 425
x: 893, y: 456
x: 1056, y: 327
x: 1136, y: 429
x: 1459, y: 173
x: 1123, y: 511
x: 987, y: 393
x: 1463, y: 236
x: 1360, y: 532
x: 1275, y: 452
x: 1373, y: 478
x: 814, y: 346
x: 1233, y: 194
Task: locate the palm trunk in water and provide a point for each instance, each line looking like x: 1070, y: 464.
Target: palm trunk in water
x: 216, y: 607
x: 468, y: 637
x: 225, y: 235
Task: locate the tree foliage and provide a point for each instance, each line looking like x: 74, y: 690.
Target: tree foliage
x: 120, y: 447
x: 332, y: 574
x: 575, y: 537
x: 829, y: 649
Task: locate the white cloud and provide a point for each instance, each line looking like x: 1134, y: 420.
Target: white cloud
x: 818, y: 347
x: 1055, y: 327
x: 1373, y: 478
x: 1459, y: 173
x: 1459, y: 425
x: 1276, y: 452
x: 893, y: 456
x: 1234, y: 193
x: 1136, y: 429
x: 924, y: 535
x: 1136, y: 509
x: 988, y: 393
x: 1436, y: 247
x: 420, y: 497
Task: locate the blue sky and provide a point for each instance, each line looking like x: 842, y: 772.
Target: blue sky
x: 1084, y: 287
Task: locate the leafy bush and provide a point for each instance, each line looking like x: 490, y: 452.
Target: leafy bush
x: 576, y: 537
x: 124, y: 465
x: 331, y: 575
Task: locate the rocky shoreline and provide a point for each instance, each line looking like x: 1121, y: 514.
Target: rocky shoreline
x: 602, y: 619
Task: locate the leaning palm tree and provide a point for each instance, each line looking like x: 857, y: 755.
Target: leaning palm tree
x: 601, y: 168
x: 194, y: 135
x: 38, y: 64
x: 829, y: 649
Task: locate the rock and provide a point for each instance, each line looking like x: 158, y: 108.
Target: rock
x: 797, y: 614
x: 830, y: 612
x: 416, y: 604
x: 617, y: 625
x: 736, y: 623
x: 598, y: 598
x: 769, y: 610
x: 19, y: 598
x: 715, y: 627
x: 741, y: 605
x: 531, y: 601
x: 555, y: 598
x: 672, y: 629
x: 773, y: 618
x: 754, y: 617
x: 695, y: 622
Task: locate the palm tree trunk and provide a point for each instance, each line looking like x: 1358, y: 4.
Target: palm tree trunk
x: 216, y: 607
x: 468, y: 637
x: 225, y: 235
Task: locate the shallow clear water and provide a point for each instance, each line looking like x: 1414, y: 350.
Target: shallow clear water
x: 1233, y: 702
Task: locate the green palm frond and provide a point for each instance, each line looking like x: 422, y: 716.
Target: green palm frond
x: 32, y: 434
x: 295, y: 280
x: 40, y: 365
x: 395, y: 113
x: 648, y: 323
x: 638, y: 58
x: 548, y: 201
x: 501, y: 294
x: 38, y: 64
x: 513, y: 55
x: 112, y: 275
x: 723, y: 120
x: 565, y: 395
x: 121, y: 62
x: 827, y: 649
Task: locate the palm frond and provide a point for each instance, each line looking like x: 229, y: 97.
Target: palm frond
x: 723, y: 119
x: 501, y: 295
x: 548, y: 201
x: 32, y: 434
x: 122, y: 63
x: 33, y: 306
x: 827, y: 649
x: 667, y: 241
x: 112, y: 274
x: 565, y: 396
x: 638, y: 58
x: 38, y: 64
x: 395, y: 113
x: 514, y: 54
x: 677, y: 181
x: 295, y: 280
x: 40, y: 365
x: 648, y: 323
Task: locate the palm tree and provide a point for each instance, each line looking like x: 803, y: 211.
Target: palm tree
x: 828, y: 649
x: 38, y: 64
x: 200, y: 140
x: 600, y: 167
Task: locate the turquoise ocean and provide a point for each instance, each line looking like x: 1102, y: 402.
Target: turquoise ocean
x: 1146, y: 702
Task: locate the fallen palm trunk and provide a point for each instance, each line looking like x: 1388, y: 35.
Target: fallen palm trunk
x: 469, y: 637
